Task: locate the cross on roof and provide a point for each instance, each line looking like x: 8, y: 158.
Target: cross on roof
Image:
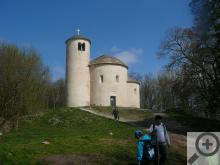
x: 78, y: 30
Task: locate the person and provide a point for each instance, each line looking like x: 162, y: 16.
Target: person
x: 145, y: 154
x: 116, y: 113
x: 160, y: 140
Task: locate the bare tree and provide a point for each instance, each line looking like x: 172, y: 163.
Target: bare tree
x: 189, y: 54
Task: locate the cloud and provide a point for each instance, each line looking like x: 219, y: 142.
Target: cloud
x: 129, y: 56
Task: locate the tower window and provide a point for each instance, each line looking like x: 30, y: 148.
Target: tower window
x: 117, y: 78
x: 81, y: 46
x: 101, y: 79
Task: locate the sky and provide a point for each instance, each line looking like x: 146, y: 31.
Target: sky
x: 131, y: 30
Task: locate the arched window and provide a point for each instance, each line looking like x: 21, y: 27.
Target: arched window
x: 117, y: 78
x: 101, y: 79
x: 81, y: 46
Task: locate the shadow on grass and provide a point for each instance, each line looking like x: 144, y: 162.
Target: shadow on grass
x: 181, y: 123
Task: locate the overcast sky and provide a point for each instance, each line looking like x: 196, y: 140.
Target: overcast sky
x: 128, y: 29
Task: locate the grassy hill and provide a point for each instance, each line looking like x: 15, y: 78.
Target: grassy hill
x: 74, y: 136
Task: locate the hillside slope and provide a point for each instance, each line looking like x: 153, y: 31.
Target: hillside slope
x: 74, y: 137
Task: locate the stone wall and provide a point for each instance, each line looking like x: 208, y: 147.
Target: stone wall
x: 101, y: 91
x: 77, y: 74
x: 133, y: 94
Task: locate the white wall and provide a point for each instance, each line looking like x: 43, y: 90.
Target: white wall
x: 133, y: 96
x: 77, y: 74
x: 101, y: 92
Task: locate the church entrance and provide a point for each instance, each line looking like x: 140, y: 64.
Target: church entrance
x: 113, y: 101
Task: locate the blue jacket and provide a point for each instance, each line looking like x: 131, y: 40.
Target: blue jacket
x: 140, y: 144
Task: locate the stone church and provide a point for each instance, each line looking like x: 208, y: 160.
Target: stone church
x: 102, y: 81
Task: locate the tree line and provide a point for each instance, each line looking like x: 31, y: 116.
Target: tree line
x: 26, y: 86
x: 191, y: 79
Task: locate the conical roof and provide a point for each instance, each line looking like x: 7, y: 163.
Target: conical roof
x: 132, y: 80
x: 76, y: 37
x: 107, y: 59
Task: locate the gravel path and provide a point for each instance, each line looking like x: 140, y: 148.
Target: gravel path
x: 176, y: 130
x: 123, y: 120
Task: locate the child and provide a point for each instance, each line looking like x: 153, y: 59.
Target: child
x: 145, y: 154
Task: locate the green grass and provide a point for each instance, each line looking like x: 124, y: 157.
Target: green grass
x: 72, y: 131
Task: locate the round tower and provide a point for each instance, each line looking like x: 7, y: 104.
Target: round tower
x: 77, y: 71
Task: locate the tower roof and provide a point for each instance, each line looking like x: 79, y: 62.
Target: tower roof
x: 76, y: 37
x: 132, y: 80
x: 107, y: 59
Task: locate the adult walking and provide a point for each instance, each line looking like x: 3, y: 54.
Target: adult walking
x: 160, y: 140
x: 116, y: 113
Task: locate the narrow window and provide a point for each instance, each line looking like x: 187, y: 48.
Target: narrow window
x: 79, y: 46
x: 135, y: 91
x: 83, y: 47
x: 117, y: 78
x: 101, y: 79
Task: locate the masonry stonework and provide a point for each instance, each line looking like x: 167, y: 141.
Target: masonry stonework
x: 95, y: 82
x: 102, y: 91
x: 77, y: 74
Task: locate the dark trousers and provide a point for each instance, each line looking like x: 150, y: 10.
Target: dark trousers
x: 144, y: 162
x: 116, y: 116
x: 162, y: 151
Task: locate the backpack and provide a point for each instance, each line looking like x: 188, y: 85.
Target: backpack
x: 148, y: 151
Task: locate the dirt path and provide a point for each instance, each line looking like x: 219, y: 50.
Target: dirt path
x: 124, y: 120
x: 176, y: 129
x: 172, y: 125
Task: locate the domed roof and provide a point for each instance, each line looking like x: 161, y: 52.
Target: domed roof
x: 106, y: 59
x: 132, y: 80
x: 76, y: 37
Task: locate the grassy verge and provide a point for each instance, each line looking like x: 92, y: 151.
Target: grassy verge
x: 70, y: 131
x: 74, y: 132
